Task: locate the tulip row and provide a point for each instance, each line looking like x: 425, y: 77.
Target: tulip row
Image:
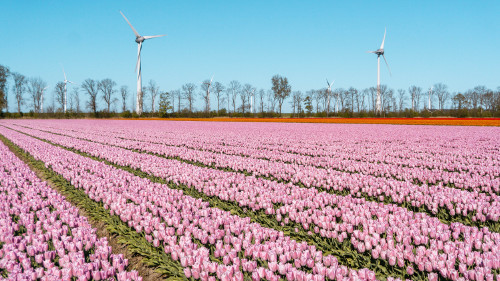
x: 449, y: 204
x: 483, y: 177
x: 384, y: 232
x: 188, y: 229
x: 43, y: 236
x: 469, y: 148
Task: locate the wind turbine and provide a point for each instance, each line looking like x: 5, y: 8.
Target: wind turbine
x: 139, y: 39
x: 430, y: 94
x: 329, y: 92
x: 66, y: 81
x: 252, y: 100
x: 208, y: 93
x: 380, y: 52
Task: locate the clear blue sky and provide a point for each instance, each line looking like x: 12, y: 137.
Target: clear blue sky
x: 454, y: 42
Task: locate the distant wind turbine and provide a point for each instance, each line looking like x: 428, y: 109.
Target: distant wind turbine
x: 329, y: 93
x: 66, y: 81
x: 430, y: 94
x: 252, y: 100
x: 139, y: 39
x: 380, y: 52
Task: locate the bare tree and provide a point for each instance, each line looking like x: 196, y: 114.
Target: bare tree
x: 124, y: 93
x: 234, y: 89
x: 271, y: 101
x: 356, y: 98
x: 19, y: 89
x: 385, y: 97
x: 364, y: 93
x: 205, y: 94
x: 36, y: 87
x: 352, y: 97
x: 297, y: 102
x: 261, y: 95
x: 324, y: 94
x: 477, y: 93
x: 173, y: 96
x: 342, y: 97
x: 4, y: 74
x: 71, y: 102
x: 106, y: 86
x: 59, y: 94
x: 76, y: 97
x: 178, y: 95
x: 228, y: 99
x: 401, y: 99
x: 293, y: 103
x: 245, y: 96
x: 316, y: 97
x: 91, y: 88
x: 415, y: 93
x: 441, y: 91
x: 218, y: 90
x: 188, y: 93
x: 388, y: 100
x: 281, y: 89
x: 488, y: 100
x: 153, y: 89
x: 373, y: 98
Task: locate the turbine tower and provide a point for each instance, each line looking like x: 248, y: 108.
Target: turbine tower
x: 430, y: 94
x: 66, y: 81
x: 252, y: 100
x: 380, y: 52
x: 139, y: 39
x: 329, y: 92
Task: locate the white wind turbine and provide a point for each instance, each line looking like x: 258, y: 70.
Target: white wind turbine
x: 66, y: 81
x: 329, y: 95
x: 252, y: 100
x: 430, y: 94
x: 380, y: 52
x: 139, y: 39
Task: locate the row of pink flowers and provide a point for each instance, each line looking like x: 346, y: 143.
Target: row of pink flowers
x: 472, y: 168
x: 389, y: 232
x: 379, y: 184
x: 169, y: 218
x: 39, y: 227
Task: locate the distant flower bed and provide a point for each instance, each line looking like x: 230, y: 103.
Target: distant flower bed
x: 396, y: 121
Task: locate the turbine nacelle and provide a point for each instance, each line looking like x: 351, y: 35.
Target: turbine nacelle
x: 139, y: 39
x: 379, y: 52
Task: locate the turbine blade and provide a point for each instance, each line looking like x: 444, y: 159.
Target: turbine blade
x: 383, y: 41
x: 387, y: 65
x: 139, y: 47
x: 371, y: 52
x: 64, y: 73
x: 328, y: 83
x: 133, y: 29
x: 211, y: 79
x: 154, y: 36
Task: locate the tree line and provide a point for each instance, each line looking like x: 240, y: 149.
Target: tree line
x: 235, y: 99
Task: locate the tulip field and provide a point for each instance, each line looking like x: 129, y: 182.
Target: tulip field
x: 252, y: 201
